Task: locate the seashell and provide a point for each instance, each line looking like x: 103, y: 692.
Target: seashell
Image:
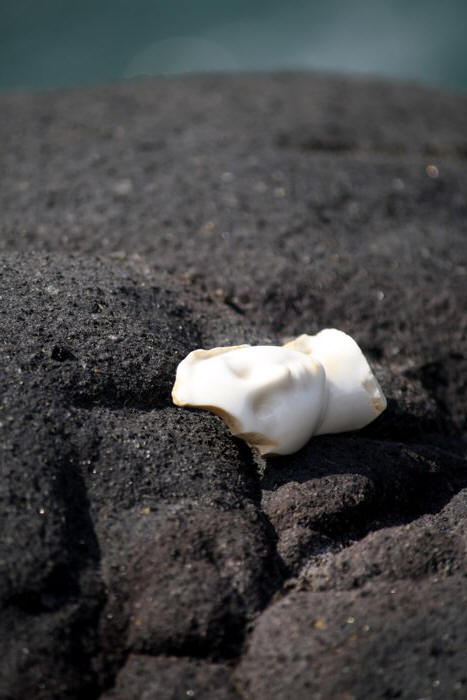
x: 277, y: 397
x: 355, y: 397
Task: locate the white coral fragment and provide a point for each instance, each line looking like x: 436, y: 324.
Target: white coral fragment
x: 277, y: 398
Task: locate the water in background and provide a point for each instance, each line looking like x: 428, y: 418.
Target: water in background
x: 55, y: 43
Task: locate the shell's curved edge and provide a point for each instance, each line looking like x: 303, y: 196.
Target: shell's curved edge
x: 214, y: 352
x: 179, y: 395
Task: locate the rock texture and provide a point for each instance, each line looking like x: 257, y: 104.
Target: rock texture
x: 145, y: 553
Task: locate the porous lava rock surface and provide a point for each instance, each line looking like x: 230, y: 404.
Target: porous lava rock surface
x: 145, y: 552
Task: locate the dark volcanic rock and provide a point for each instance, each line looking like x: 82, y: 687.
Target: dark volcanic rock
x: 144, y: 551
x: 430, y: 545
x: 113, y: 499
x: 170, y: 678
x: 387, y: 641
x: 337, y: 488
x: 192, y: 578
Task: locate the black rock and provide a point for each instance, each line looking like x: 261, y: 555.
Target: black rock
x: 145, y: 552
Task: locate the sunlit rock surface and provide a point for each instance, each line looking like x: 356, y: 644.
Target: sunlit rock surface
x: 143, y: 549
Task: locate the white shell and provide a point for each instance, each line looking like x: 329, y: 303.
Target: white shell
x: 276, y: 398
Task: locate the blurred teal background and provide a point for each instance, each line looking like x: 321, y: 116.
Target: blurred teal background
x: 56, y: 43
